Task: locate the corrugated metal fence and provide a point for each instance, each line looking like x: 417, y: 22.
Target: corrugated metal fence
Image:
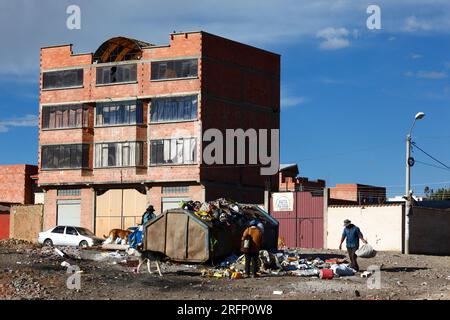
x: 303, y: 226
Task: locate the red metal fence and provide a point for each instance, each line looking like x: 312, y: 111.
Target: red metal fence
x: 303, y: 226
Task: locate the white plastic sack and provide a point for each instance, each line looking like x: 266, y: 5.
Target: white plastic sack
x: 342, y: 270
x: 366, y: 251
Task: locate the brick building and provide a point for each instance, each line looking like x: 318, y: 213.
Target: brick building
x: 16, y: 187
x: 288, y: 180
x: 16, y: 184
x: 122, y: 128
x: 357, y: 194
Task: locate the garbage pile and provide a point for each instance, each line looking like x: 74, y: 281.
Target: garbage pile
x: 220, y: 211
x: 282, y: 263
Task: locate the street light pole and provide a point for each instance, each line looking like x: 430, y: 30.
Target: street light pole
x: 408, y: 192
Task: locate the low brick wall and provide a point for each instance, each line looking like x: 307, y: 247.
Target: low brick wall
x: 26, y: 222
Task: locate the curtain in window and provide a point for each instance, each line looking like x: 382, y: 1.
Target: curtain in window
x: 173, y: 109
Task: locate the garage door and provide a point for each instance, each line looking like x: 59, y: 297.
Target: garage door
x: 118, y: 208
x: 171, y: 203
x: 69, y: 213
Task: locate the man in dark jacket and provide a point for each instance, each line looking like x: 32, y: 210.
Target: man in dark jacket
x: 254, y: 235
x: 149, y: 214
x: 352, y: 234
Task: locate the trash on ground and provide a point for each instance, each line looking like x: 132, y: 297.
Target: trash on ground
x: 342, y: 270
x: 278, y: 292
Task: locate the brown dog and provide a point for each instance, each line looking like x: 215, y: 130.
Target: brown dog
x: 118, y: 233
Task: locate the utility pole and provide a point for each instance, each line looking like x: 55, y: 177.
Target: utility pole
x: 407, y: 192
x: 409, y: 164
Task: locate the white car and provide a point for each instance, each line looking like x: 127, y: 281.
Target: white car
x: 69, y: 236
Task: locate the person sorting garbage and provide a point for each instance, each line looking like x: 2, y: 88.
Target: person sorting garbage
x: 149, y: 214
x: 352, y: 234
x: 251, y: 244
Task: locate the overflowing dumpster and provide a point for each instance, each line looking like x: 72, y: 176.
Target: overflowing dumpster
x: 186, y: 235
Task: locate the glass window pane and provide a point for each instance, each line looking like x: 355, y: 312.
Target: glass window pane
x: 111, y: 154
x: 62, y: 79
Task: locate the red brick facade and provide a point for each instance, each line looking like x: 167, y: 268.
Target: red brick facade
x: 16, y: 185
x: 238, y: 86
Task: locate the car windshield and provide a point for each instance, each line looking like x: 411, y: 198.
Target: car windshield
x: 85, y: 232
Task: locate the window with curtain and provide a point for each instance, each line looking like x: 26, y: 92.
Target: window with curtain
x: 173, y: 151
x: 119, y: 154
x: 68, y: 156
x: 174, y: 69
x: 173, y: 109
x: 65, y: 116
x: 117, y: 113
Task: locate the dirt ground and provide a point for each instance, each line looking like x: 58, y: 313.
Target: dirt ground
x: 32, y: 272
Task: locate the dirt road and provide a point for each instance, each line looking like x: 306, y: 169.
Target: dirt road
x: 29, y: 272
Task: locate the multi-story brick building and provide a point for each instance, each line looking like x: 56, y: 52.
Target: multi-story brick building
x: 122, y: 128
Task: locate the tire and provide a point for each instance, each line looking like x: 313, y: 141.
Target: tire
x: 48, y: 242
x: 83, y: 244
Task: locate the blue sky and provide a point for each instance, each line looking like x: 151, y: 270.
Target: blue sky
x: 349, y: 94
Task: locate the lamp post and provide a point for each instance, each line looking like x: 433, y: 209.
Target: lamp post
x: 409, y: 164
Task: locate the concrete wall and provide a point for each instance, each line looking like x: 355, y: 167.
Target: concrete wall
x: 26, y: 222
x: 381, y: 225
x: 430, y: 231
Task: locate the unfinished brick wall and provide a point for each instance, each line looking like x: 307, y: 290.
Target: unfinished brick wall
x: 16, y: 185
x: 240, y: 89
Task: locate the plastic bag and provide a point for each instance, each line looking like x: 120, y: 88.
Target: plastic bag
x: 366, y: 251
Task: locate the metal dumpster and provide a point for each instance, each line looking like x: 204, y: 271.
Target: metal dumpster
x: 184, y: 237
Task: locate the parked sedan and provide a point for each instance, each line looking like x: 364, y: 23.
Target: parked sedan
x: 68, y: 236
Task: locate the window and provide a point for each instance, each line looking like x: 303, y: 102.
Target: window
x: 173, y: 151
x: 63, y: 79
x: 174, y: 69
x: 116, y: 74
x: 119, y: 154
x: 70, y: 116
x: 59, y: 229
x: 175, y: 189
x: 116, y: 113
x: 68, y: 156
x: 173, y: 109
x: 71, y: 231
x: 69, y: 192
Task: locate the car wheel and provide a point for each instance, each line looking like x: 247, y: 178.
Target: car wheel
x: 48, y: 242
x: 84, y: 244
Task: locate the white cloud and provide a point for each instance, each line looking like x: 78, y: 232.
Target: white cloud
x: 290, y: 101
x: 432, y: 75
x: 28, y: 120
x: 328, y: 80
x: 334, y: 39
x: 415, y: 56
x: 413, y: 24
